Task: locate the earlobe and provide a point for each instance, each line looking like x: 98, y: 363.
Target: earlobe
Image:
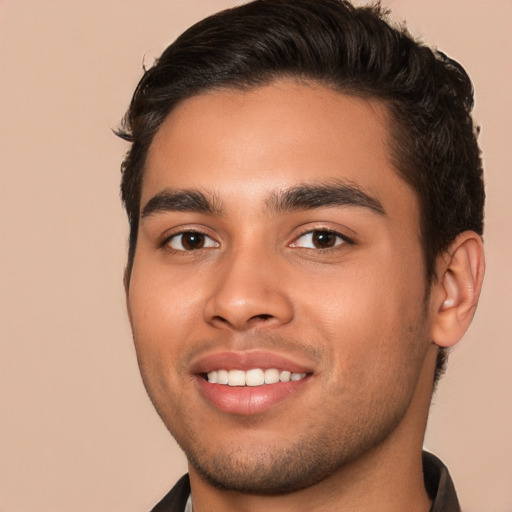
x: 454, y: 297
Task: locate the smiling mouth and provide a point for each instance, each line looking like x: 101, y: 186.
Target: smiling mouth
x: 253, y: 377
x: 249, y: 383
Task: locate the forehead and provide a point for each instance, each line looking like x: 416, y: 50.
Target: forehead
x: 248, y: 143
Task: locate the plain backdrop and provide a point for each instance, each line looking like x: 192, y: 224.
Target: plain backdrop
x: 77, y: 432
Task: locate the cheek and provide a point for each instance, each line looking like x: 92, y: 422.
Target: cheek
x: 158, y: 299
x: 163, y: 311
x: 160, y: 316
x: 372, y: 319
x: 363, y: 297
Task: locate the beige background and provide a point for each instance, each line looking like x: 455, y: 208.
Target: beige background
x: 77, y: 432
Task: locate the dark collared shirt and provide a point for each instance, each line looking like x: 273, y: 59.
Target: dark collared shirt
x: 438, y: 483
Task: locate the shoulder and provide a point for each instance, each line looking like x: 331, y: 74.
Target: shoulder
x: 176, y: 499
x: 439, y: 485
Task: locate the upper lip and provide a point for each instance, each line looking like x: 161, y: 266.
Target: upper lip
x: 247, y: 360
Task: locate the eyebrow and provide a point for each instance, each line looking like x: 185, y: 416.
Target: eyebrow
x: 310, y: 196
x: 300, y: 197
x: 169, y: 200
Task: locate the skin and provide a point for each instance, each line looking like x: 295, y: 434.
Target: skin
x: 354, y: 313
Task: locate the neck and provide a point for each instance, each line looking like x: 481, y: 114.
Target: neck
x: 387, y: 478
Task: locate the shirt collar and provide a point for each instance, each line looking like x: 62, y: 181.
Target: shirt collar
x: 439, y: 485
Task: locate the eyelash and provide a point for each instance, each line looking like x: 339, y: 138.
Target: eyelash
x: 343, y: 239
x: 166, y: 244
x: 212, y: 243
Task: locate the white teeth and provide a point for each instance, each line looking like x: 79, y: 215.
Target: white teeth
x: 222, y: 377
x: 284, y: 376
x: 271, y: 376
x: 253, y: 377
x: 236, y: 378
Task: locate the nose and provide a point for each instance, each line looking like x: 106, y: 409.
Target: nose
x: 248, y: 291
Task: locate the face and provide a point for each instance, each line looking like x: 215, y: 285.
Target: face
x: 277, y: 292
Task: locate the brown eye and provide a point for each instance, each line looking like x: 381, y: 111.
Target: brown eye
x: 319, y: 239
x: 191, y: 241
x: 324, y: 239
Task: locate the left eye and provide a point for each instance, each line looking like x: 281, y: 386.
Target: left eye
x: 191, y: 241
x: 319, y: 239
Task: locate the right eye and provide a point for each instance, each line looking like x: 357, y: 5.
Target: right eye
x: 320, y: 239
x: 190, y: 241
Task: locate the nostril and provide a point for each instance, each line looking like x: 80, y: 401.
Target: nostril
x: 263, y: 316
x: 220, y: 319
x: 240, y: 323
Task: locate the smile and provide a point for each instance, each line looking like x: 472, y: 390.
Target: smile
x: 253, y: 377
x: 250, y: 382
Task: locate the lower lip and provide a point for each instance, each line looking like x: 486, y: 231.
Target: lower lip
x: 249, y: 400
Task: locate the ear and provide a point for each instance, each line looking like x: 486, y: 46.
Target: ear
x: 454, y: 295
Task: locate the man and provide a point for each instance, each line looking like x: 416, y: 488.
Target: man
x: 305, y: 197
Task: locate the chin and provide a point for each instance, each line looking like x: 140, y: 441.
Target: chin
x: 272, y: 469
